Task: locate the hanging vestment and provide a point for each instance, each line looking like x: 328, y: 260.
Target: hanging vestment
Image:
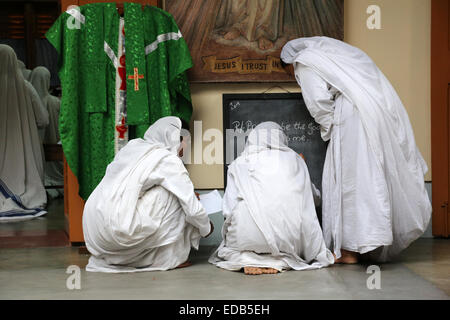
x: 22, y: 193
x: 93, y: 118
x: 374, y: 196
x: 270, y: 217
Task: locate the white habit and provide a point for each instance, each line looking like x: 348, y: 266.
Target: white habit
x: 144, y: 214
x: 42, y: 120
x: 270, y: 217
x: 373, y: 187
x: 53, y: 170
x: 40, y: 112
x: 25, y: 72
x: 22, y: 193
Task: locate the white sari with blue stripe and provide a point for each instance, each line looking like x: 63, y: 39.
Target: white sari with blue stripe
x: 22, y: 192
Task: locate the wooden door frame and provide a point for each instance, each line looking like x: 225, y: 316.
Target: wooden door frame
x: 440, y: 118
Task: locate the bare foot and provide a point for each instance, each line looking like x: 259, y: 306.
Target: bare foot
x: 184, y: 265
x: 252, y: 270
x: 257, y: 271
x: 270, y: 271
x: 265, y: 44
x: 231, y: 35
x: 347, y: 257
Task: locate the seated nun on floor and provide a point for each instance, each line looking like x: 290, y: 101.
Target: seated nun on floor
x: 144, y: 214
x: 270, y: 218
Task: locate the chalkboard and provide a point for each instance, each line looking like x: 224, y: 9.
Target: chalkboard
x: 242, y: 112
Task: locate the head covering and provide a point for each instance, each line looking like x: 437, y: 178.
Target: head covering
x: 165, y: 133
x: 266, y: 135
x: 292, y: 48
x: 338, y: 49
x: 40, y: 79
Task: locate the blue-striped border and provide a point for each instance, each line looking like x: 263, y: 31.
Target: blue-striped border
x: 14, y: 213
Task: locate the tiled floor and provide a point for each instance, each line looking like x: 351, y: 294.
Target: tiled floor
x: 40, y: 273
x: 45, y: 231
x: 430, y: 259
x: 34, y: 257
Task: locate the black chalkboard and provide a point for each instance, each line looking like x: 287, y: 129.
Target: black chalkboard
x: 242, y: 112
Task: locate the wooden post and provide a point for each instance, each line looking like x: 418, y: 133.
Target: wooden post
x: 440, y: 115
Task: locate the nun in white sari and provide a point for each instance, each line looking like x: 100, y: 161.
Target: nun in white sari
x: 25, y: 72
x: 270, y: 218
x: 22, y: 193
x: 374, y: 197
x: 40, y: 111
x: 40, y: 79
x: 144, y: 214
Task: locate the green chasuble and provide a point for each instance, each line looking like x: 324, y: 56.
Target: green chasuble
x: 157, y: 57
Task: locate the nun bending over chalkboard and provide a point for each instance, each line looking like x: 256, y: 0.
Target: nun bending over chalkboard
x: 270, y: 218
x: 374, y: 198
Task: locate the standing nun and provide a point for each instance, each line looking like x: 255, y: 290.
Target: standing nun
x: 374, y: 197
x: 144, y: 215
x: 22, y: 193
x: 270, y: 218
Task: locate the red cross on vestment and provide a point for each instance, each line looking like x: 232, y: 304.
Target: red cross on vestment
x: 136, y: 76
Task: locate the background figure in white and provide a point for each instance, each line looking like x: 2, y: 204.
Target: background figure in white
x: 42, y: 120
x: 40, y: 112
x: 374, y: 197
x: 25, y: 72
x: 22, y: 193
x: 53, y: 170
x: 270, y: 218
x: 144, y: 214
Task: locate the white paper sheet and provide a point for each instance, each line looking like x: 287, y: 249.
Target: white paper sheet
x: 212, y: 201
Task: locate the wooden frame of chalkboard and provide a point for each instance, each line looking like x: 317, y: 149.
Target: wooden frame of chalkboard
x: 245, y: 111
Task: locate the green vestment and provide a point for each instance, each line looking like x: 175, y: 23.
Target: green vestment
x: 157, y: 57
